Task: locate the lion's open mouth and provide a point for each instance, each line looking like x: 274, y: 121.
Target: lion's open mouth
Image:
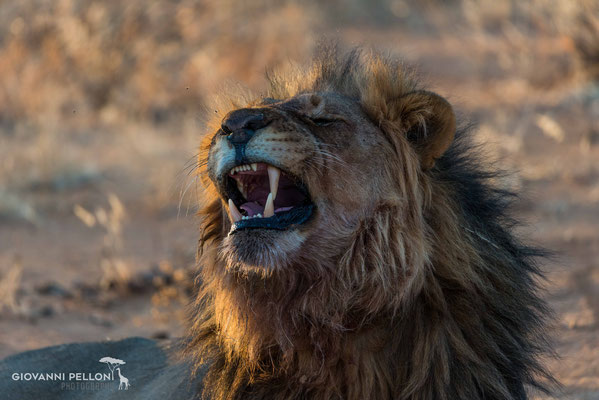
x: 262, y: 196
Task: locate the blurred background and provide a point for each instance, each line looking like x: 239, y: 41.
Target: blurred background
x: 100, y: 116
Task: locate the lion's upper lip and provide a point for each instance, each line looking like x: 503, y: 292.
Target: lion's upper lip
x: 261, y: 191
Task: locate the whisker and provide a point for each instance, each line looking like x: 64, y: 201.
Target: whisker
x: 183, y: 192
x: 327, y: 160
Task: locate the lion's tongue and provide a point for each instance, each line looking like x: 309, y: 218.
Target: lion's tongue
x: 252, y: 208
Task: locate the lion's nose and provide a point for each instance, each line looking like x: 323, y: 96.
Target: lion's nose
x: 240, y: 125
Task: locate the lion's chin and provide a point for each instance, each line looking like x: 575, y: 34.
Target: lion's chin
x: 261, y: 250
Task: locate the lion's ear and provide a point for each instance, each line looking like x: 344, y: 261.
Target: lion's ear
x: 429, y: 122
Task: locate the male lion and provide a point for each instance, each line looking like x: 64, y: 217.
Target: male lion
x: 351, y: 248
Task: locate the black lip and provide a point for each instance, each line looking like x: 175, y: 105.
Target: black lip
x: 281, y: 221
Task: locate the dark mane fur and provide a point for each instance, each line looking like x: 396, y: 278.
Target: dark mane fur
x: 456, y: 315
x: 513, y: 331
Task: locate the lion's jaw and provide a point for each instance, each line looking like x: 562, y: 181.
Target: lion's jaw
x: 311, y: 170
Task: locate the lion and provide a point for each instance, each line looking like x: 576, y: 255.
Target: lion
x: 353, y: 246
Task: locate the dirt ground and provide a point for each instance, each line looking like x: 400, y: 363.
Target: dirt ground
x: 97, y: 225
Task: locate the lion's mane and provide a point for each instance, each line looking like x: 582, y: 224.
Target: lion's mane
x: 435, y: 298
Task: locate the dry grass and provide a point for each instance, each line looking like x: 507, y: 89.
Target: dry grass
x: 586, y: 38
x: 103, y: 62
x: 76, y: 74
x: 115, y: 271
x: 10, y: 283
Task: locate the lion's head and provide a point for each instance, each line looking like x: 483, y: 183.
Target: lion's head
x: 298, y: 175
x: 350, y: 248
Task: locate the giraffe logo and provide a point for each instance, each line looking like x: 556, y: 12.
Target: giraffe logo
x: 115, y: 363
x: 123, y: 382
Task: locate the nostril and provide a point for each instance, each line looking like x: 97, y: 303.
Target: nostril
x: 239, y: 126
x: 225, y: 130
x: 243, y: 119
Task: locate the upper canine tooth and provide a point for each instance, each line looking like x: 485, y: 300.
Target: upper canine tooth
x: 273, y: 177
x: 234, y: 212
x: 254, y: 166
x: 269, y: 207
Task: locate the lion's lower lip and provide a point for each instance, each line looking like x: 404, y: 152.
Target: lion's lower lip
x: 280, y: 221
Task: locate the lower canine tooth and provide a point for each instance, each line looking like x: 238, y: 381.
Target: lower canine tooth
x: 269, y: 208
x: 234, y: 212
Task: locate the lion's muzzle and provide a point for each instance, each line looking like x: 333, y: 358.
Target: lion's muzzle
x: 240, y: 126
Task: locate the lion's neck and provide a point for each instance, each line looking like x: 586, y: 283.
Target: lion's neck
x: 321, y: 330
x: 368, y: 327
x: 261, y: 346
x: 276, y: 353
x: 318, y: 362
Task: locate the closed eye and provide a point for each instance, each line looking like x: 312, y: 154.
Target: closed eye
x: 318, y: 121
x: 324, y: 121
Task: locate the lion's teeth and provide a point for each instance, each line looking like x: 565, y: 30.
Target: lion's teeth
x: 273, y: 177
x: 246, y: 167
x: 252, y: 216
x: 234, y: 212
x: 269, y: 208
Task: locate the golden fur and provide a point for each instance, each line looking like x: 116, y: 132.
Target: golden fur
x: 415, y: 289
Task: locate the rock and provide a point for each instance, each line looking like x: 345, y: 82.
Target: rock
x: 54, y: 289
